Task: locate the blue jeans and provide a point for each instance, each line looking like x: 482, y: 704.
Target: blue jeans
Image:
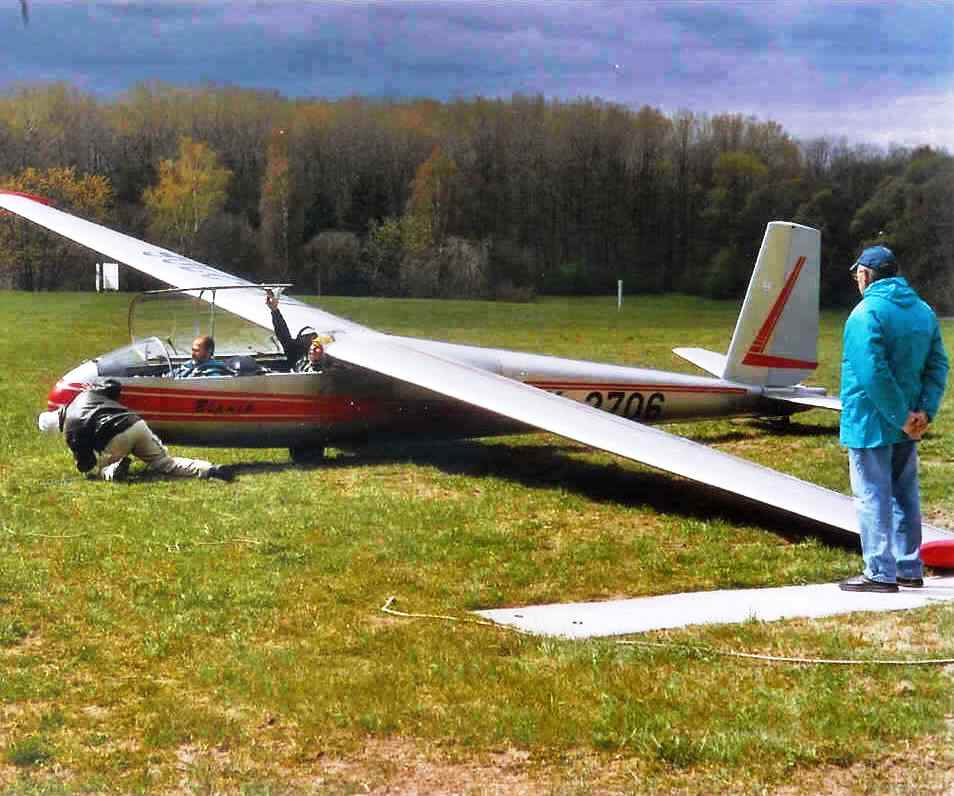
x: 885, y: 483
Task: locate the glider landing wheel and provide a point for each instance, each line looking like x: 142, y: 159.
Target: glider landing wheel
x: 307, y: 454
x: 782, y: 423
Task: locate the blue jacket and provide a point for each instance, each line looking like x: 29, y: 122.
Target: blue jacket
x: 893, y: 363
x: 210, y: 367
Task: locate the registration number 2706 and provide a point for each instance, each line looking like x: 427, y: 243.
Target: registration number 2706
x: 632, y: 405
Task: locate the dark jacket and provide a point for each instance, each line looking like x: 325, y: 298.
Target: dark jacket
x: 294, y: 350
x: 92, y: 419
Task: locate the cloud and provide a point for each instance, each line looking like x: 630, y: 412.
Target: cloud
x: 913, y: 120
x: 811, y: 65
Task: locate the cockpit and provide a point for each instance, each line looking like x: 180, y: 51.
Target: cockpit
x: 163, y: 324
x: 151, y: 356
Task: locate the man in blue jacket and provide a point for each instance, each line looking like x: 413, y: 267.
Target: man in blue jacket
x: 202, y: 362
x: 893, y: 374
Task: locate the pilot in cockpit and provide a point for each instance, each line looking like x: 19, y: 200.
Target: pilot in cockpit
x: 296, y: 348
x: 312, y: 361
x: 202, y: 362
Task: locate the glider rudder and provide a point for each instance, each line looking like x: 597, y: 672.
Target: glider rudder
x: 775, y: 343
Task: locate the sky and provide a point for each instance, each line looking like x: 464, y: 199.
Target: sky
x: 877, y: 72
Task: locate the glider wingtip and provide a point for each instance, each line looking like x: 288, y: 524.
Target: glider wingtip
x: 23, y: 195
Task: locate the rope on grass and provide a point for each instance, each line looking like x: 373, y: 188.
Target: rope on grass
x: 12, y: 532
x: 171, y: 548
x: 184, y: 546
x: 386, y: 608
x: 788, y: 659
x: 236, y: 540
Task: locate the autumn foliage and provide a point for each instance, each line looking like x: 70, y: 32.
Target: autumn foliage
x: 191, y: 189
x: 33, y: 260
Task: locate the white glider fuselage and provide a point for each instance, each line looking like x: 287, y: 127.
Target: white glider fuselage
x: 345, y: 402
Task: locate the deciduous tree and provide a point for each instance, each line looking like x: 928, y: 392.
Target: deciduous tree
x: 280, y: 210
x: 191, y: 189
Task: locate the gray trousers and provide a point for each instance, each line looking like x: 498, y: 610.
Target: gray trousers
x: 139, y: 440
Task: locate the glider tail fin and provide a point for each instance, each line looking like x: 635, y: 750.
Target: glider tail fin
x: 775, y: 343
x: 776, y: 336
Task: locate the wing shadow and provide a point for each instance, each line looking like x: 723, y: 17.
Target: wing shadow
x: 564, y: 466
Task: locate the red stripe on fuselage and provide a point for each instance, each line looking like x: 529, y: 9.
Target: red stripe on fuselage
x: 603, y: 387
x: 198, y: 406
x: 158, y: 403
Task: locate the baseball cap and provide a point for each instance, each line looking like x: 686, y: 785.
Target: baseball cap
x: 877, y: 258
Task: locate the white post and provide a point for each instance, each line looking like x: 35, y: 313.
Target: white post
x: 110, y: 279
x: 619, y: 294
x: 99, y: 277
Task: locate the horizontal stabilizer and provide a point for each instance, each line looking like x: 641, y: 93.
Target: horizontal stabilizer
x: 709, y: 361
x: 816, y: 401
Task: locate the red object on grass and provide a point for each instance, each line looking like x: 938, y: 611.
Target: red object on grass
x: 939, y: 554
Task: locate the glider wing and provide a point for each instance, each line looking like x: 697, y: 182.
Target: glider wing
x: 171, y: 268
x: 602, y: 430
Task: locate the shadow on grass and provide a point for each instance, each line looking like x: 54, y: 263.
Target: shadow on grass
x: 560, y: 465
x: 744, y: 431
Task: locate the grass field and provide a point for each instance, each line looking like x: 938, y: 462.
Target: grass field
x: 199, y: 637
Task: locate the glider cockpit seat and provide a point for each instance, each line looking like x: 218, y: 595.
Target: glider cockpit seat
x: 244, y: 365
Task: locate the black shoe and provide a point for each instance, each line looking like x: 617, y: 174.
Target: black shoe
x: 911, y: 583
x: 222, y: 472
x: 861, y: 583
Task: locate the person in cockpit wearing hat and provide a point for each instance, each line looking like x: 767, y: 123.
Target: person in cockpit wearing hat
x: 296, y: 348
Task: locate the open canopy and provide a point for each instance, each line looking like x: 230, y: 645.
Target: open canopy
x: 177, y: 317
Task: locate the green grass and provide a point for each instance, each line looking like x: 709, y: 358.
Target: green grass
x: 227, y: 638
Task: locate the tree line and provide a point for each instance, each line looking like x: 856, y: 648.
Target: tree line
x: 474, y: 197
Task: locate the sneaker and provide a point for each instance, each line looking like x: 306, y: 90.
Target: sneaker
x: 222, y: 472
x: 911, y: 583
x: 861, y: 583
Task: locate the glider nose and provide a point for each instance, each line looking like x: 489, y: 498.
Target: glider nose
x: 71, y: 384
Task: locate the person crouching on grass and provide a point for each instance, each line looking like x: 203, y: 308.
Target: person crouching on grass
x: 893, y: 374
x: 101, y: 433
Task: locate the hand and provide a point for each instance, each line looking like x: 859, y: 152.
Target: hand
x: 270, y: 300
x: 916, y: 425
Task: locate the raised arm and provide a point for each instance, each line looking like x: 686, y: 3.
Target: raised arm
x: 281, y: 330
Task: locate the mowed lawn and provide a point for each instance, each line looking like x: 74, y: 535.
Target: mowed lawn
x: 165, y: 636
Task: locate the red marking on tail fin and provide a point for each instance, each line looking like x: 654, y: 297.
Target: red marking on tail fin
x: 767, y: 361
x: 765, y: 333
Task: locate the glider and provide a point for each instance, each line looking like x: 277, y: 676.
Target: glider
x: 377, y: 384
